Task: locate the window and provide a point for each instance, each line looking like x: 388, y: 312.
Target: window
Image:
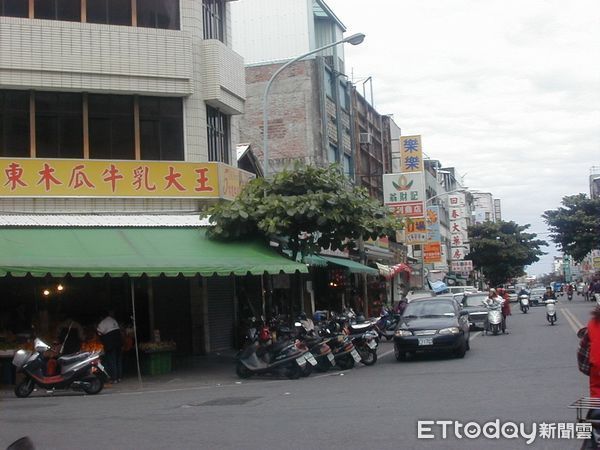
x: 218, y: 135
x: 112, y: 12
x: 58, y: 125
x: 111, y: 127
x: 69, y: 10
x: 348, y: 166
x: 343, y: 95
x: 14, y: 8
x: 328, y: 83
x: 213, y: 19
x: 158, y: 14
x: 161, y: 128
x: 14, y: 123
x: 332, y: 154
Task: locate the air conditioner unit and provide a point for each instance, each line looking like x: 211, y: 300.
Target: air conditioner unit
x: 365, y: 138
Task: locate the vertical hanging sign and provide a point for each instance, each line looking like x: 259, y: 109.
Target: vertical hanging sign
x: 411, y: 154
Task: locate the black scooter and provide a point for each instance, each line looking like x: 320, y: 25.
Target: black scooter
x: 80, y: 371
x: 287, y: 358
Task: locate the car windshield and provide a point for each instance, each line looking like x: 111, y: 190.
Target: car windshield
x: 433, y: 308
x: 474, y: 300
x: 538, y: 291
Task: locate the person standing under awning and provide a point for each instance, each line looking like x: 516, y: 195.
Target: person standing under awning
x: 110, y: 336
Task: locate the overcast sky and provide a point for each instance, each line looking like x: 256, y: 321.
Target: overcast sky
x: 507, y: 91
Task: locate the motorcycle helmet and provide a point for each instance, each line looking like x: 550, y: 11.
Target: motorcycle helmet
x: 360, y: 318
x: 302, y: 316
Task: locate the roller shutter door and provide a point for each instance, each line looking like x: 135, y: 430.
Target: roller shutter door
x: 220, y: 312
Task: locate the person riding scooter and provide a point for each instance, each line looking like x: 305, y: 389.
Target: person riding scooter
x: 494, y: 302
x: 549, y: 294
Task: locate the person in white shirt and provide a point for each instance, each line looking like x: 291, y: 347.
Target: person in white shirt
x: 110, y: 336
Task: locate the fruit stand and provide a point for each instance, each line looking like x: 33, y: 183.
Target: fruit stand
x: 156, y: 357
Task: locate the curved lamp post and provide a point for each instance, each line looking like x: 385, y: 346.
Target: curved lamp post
x: 355, y: 39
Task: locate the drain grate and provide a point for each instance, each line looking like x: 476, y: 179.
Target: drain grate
x: 225, y: 401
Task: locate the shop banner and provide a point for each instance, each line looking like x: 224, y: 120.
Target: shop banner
x: 433, y: 224
x: 464, y: 266
x: 411, y: 154
x: 432, y: 253
x: 404, y: 193
x: 29, y: 177
x: 415, y: 231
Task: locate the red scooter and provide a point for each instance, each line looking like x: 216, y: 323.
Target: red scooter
x: 80, y: 371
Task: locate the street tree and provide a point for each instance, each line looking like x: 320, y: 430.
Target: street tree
x: 501, y: 250
x: 575, y: 226
x: 310, y: 207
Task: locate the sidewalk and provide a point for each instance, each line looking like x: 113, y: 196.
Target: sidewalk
x: 207, y: 370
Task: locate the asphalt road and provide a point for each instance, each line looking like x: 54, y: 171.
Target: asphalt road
x: 529, y: 375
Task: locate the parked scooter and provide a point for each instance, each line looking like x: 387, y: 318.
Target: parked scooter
x: 287, y: 358
x: 524, y: 302
x: 551, y: 311
x: 387, y: 323
x: 495, y: 322
x: 320, y: 352
x: 80, y: 371
x: 344, y: 352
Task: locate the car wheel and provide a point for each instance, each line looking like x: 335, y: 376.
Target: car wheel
x: 400, y: 356
x: 460, y: 351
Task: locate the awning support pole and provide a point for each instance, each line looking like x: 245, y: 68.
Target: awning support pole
x: 137, y: 353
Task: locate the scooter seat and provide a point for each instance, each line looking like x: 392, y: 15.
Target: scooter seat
x: 70, y: 359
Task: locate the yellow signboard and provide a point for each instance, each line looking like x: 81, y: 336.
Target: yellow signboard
x: 104, y: 178
x: 411, y: 154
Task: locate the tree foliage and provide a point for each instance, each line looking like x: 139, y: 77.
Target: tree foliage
x: 575, y: 226
x: 312, y: 207
x: 501, y: 250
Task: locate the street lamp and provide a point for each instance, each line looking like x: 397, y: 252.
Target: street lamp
x: 355, y: 39
x: 446, y: 193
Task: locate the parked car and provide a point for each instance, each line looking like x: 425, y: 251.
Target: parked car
x: 461, y: 289
x: 536, y: 296
x: 432, y: 324
x: 473, y: 304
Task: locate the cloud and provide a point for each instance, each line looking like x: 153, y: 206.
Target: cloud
x: 505, y: 91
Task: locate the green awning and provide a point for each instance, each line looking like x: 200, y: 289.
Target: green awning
x: 352, y: 266
x: 118, y: 251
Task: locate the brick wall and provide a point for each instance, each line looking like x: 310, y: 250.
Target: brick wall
x: 294, y: 115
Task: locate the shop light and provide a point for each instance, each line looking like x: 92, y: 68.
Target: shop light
x: 60, y: 288
x: 46, y: 292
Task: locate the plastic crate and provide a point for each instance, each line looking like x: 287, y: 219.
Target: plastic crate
x: 157, y: 363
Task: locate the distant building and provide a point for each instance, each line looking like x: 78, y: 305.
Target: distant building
x: 595, y: 182
x: 484, y: 207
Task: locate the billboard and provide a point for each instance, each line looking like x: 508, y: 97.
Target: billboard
x: 411, y: 154
x: 404, y: 193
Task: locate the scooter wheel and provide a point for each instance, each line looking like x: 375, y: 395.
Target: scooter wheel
x: 371, y: 358
x: 94, y: 387
x: 293, y: 372
x: 242, y: 371
x: 24, y: 388
x: 308, y: 368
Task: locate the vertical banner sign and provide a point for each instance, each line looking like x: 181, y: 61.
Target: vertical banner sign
x: 404, y: 193
x: 433, y: 224
x: 432, y: 253
x: 411, y: 154
x: 459, y: 246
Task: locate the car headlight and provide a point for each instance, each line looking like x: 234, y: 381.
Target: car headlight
x: 451, y: 330
x: 401, y: 333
